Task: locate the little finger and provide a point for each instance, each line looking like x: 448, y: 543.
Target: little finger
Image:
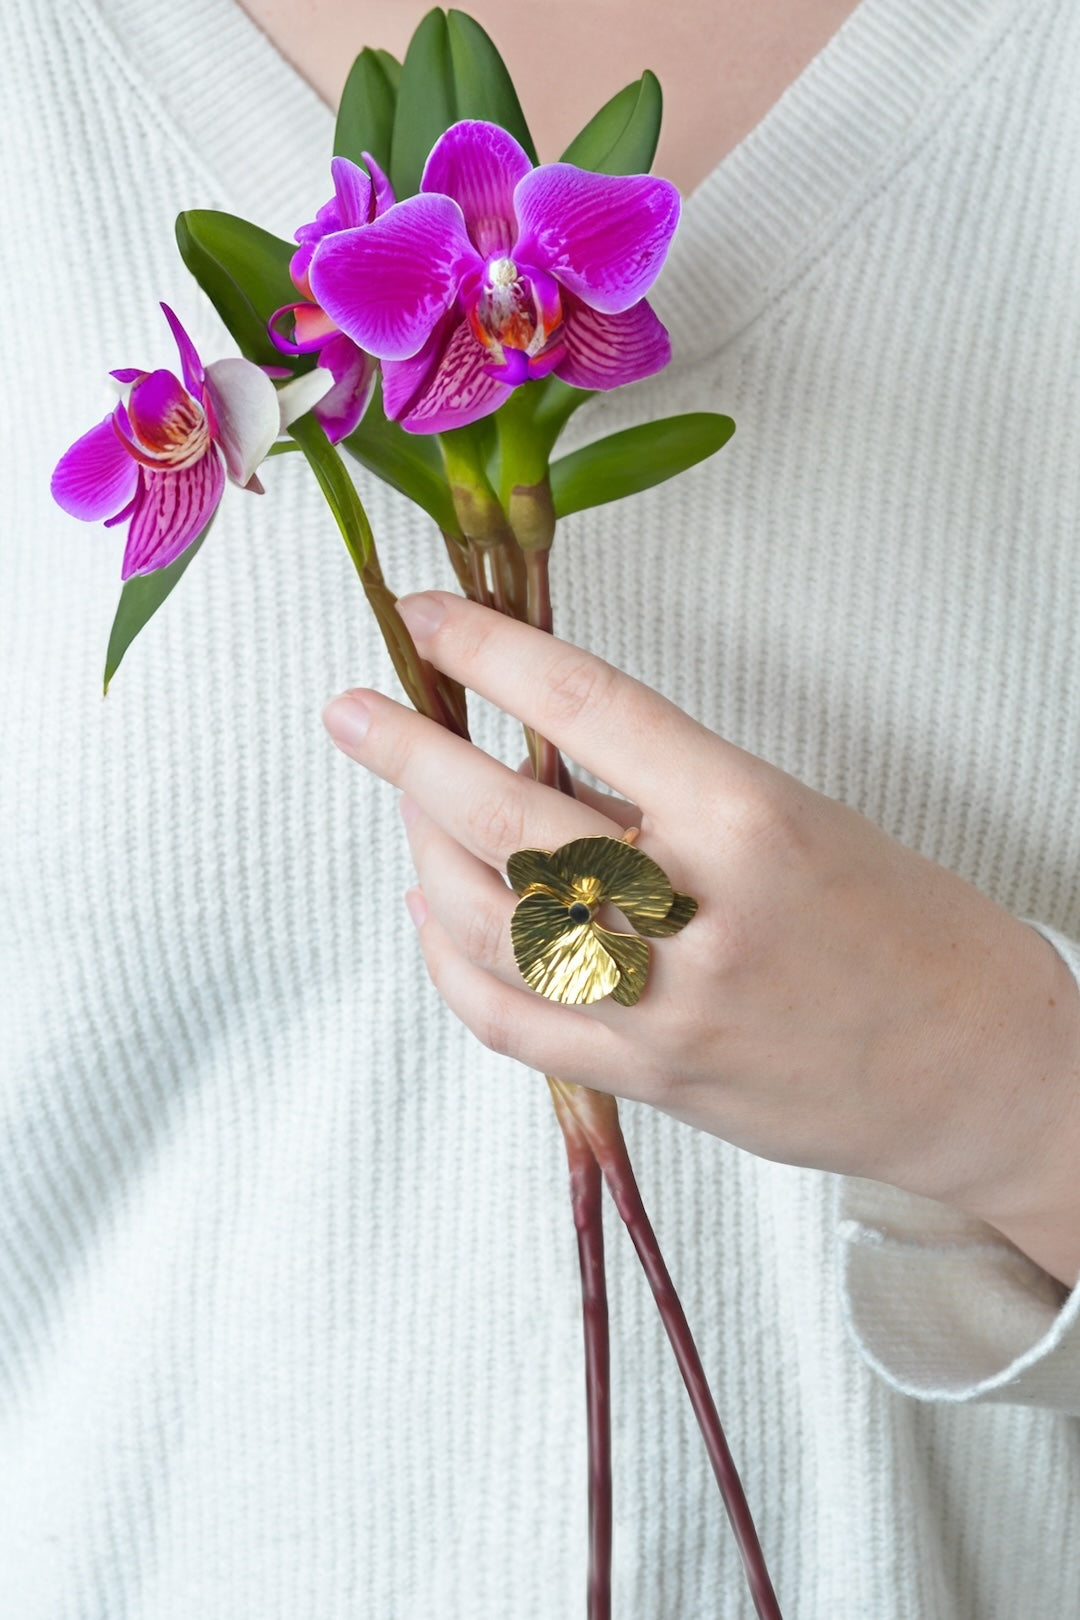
x: 563, y: 1041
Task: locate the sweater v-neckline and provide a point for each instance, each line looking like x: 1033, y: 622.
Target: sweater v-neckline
x: 263, y: 135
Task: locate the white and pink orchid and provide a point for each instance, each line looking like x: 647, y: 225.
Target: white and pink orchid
x: 499, y: 272
x: 159, y: 460
x: 358, y: 200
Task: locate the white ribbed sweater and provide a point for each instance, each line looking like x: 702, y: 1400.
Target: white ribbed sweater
x: 289, y: 1325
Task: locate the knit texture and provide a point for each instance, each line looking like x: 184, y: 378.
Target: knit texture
x: 289, y: 1320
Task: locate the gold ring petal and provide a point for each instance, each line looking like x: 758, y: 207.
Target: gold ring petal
x: 531, y: 869
x: 683, y: 908
x: 632, y: 957
x: 561, y: 950
x: 627, y: 877
x: 562, y: 960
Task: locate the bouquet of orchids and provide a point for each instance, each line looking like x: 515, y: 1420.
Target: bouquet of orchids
x: 449, y: 308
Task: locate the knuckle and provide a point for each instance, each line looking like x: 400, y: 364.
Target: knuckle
x: 387, y: 744
x: 578, y: 684
x: 494, y: 1027
x: 483, y: 936
x: 762, y: 822
x: 497, y: 826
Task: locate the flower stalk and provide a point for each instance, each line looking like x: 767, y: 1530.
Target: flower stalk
x: 597, y: 1116
x: 430, y: 691
x: 586, y: 1189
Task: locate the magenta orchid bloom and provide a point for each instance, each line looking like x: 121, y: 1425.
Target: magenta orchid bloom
x: 357, y: 201
x: 498, y: 272
x: 161, y: 458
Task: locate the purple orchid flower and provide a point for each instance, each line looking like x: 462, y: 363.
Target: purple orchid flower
x: 358, y: 200
x: 498, y: 272
x: 160, y: 459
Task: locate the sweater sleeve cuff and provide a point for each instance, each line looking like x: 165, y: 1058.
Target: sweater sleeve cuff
x: 944, y: 1308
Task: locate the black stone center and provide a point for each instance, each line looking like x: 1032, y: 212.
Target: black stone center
x: 580, y: 913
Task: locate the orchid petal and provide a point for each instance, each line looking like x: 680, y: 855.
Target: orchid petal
x: 190, y: 363
x: 353, y: 193
x: 354, y: 372
x: 384, y: 191
x: 173, y: 508
x: 162, y: 413
x: 247, y: 419
x: 123, y: 515
x: 312, y: 327
x: 301, y: 395
x: 405, y: 380
x: 462, y: 389
x: 605, y: 351
x: 478, y: 165
x: 387, y: 284
x: 127, y: 374
x: 96, y: 477
x: 603, y: 236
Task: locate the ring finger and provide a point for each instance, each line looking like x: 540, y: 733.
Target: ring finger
x: 468, y: 897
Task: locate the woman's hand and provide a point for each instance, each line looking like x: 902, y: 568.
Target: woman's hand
x: 837, y: 1001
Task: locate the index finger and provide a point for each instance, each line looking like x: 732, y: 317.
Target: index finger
x: 624, y: 732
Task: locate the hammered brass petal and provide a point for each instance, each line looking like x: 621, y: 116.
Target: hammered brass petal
x: 628, y: 877
x: 632, y: 956
x: 532, y: 869
x: 561, y: 960
x: 682, y: 909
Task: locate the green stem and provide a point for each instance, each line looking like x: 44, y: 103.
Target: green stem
x: 476, y: 505
x: 431, y: 692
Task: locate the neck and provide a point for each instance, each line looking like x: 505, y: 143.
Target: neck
x: 722, y: 63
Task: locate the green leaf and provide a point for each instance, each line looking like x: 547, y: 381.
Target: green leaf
x: 140, y: 599
x: 391, y: 67
x: 337, y: 487
x: 409, y: 462
x: 451, y: 71
x: 556, y: 403
x: 635, y: 459
x: 244, y: 271
x: 483, y: 87
x: 426, y: 102
x: 365, y: 119
x: 622, y: 137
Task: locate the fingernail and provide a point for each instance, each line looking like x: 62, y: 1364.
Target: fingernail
x: 417, y: 906
x: 409, y: 809
x: 423, y: 614
x: 347, y: 719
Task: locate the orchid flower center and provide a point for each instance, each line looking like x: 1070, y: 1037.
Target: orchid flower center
x: 516, y: 308
x: 170, y: 426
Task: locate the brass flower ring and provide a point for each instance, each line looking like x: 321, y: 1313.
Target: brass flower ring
x: 561, y: 949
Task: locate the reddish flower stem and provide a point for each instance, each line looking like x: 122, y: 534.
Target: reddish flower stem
x: 586, y: 1190
x: 598, y: 1117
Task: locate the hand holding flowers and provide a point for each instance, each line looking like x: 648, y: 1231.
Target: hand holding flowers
x: 840, y: 1001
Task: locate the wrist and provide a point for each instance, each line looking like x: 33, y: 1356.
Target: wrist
x: 1023, y: 1176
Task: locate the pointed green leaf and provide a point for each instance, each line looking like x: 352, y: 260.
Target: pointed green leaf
x: 365, y: 119
x: 245, y: 273
x: 391, y: 67
x: 635, y: 459
x: 140, y: 599
x: 426, y: 102
x: 409, y: 462
x: 483, y: 87
x: 622, y: 137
